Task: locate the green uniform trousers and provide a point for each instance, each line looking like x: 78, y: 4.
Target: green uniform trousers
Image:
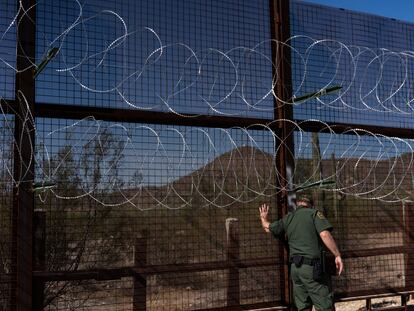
x: 308, y: 292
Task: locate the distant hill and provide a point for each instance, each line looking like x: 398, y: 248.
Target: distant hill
x: 246, y: 172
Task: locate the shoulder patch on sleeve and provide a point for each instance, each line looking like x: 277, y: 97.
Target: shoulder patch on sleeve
x: 320, y: 215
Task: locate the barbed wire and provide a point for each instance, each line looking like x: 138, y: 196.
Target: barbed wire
x: 368, y: 79
x: 233, y: 171
x: 230, y: 166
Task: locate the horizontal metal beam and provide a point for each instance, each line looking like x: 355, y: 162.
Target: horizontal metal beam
x: 377, y: 252
x: 261, y: 306
x: 340, y: 128
x: 117, y: 273
x: 371, y: 293
x: 142, y: 116
x: 139, y: 116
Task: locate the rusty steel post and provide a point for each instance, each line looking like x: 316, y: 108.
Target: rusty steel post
x: 39, y: 257
x: 404, y: 300
x: 233, y: 255
x: 140, y: 281
x: 23, y: 170
x: 408, y: 222
x: 280, y: 30
x: 368, y: 304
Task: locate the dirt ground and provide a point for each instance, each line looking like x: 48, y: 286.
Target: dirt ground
x: 172, y: 303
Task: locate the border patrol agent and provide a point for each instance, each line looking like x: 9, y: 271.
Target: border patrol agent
x: 306, y: 230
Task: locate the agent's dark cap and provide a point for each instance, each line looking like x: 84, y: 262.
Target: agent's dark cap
x: 306, y: 199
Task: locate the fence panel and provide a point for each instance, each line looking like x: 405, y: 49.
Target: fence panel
x: 155, y: 124
x: 7, y: 92
x: 179, y: 184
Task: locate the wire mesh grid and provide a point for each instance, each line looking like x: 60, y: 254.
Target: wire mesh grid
x: 172, y: 292
x: 177, y: 184
x: 8, y: 49
x: 370, y: 233
x: 89, y: 295
x: 118, y: 195
x: 362, y: 53
x: 7, y: 89
x: 182, y: 291
x: 189, y: 57
x: 6, y: 199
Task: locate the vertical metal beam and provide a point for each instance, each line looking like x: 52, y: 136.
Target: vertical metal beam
x: 404, y: 300
x: 139, y: 302
x: 39, y: 257
x: 408, y: 222
x: 23, y: 200
x: 368, y: 304
x: 233, y: 255
x: 280, y: 30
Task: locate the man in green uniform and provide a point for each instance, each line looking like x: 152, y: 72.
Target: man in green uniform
x: 306, y: 230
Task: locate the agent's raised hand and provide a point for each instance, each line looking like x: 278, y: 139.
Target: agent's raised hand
x: 264, y: 211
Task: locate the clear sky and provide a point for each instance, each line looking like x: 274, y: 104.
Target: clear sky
x: 398, y: 9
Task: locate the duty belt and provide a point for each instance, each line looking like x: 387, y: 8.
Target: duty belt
x: 303, y: 260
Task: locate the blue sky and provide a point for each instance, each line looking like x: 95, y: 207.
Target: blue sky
x: 398, y: 9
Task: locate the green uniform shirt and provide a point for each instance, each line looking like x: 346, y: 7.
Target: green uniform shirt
x: 302, y: 228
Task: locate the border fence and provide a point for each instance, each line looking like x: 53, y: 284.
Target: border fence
x: 128, y: 184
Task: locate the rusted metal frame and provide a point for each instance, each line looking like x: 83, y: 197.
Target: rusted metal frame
x: 23, y: 152
x: 372, y: 294
x: 404, y: 300
x: 47, y: 110
x: 139, y: 300
x: 233, y: 255
x: 377, y: 251
x: 341, y: 128
x: 281, y: 69
x: 368, y: 304
x: 116, y: 273
x: 271, y: 305
x: 408, y: 221
x: 211, y: 266
x: 39, y: 257
x: 141, y: 116
x: 360, y: 295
